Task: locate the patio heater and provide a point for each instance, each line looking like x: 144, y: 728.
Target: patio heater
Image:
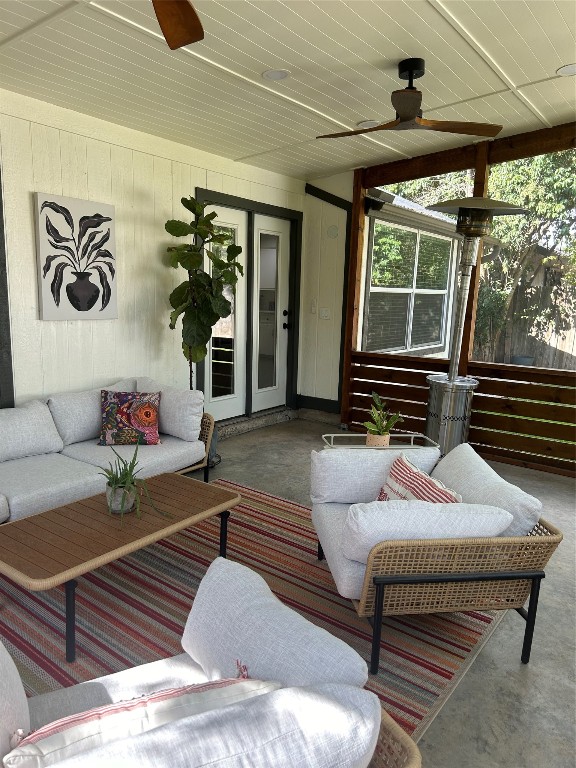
x: 450, y: 396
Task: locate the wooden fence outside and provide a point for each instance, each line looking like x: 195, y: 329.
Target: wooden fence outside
x: 520, y: 415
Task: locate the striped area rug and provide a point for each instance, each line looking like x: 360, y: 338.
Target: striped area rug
x: 133, y: 611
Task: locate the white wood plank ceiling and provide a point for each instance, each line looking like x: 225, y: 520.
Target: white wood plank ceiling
x: 486, y: 61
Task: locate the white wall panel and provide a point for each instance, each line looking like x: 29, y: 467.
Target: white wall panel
x: 48, y: 149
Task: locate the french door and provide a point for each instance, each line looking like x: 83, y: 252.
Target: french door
x: 245, y: 370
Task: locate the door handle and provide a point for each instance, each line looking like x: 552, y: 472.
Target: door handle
x: 285, y: 313
x: 286, y: 326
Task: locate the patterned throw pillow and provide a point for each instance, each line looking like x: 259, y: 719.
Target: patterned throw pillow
x: 405, y: 481
x: 129, y: 418
x: 76, y: 734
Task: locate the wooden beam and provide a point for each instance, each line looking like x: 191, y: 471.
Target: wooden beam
x: 354, y: 277
x: 529, y: 144
x: 480, y: 190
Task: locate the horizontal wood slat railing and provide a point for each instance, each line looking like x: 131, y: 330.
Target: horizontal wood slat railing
x: 520, y: 415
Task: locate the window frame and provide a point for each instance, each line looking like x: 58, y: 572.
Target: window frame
x: 434, y: 228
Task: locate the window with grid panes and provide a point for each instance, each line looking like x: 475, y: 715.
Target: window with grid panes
x: 407, y: 289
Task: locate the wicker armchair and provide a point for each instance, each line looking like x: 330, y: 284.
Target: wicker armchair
x: 446, y: 575
x: 395, y: 749
x: 206, y: 432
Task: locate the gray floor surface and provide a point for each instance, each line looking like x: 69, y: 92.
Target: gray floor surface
x: 503, y: 713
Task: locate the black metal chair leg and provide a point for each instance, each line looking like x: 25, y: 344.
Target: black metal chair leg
x: 320, y: 552
x: 377, y: 629
x: 530, y: 617
x: 206, y: 473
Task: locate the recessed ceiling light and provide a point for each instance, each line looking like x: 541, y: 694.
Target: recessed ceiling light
x: 567, y: 70
x: 276, y: 74
x: 368, y: 124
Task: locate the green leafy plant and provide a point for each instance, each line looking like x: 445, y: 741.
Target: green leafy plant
x: 382, y: 419
x: 201, y: 299
x: 121, y: 475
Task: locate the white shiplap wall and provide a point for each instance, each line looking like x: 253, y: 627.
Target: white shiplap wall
x: 322, y: 289
x: 49, y: 149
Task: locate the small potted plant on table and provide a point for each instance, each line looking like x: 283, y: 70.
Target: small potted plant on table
x: 123, y: 489
x: 382, y: 422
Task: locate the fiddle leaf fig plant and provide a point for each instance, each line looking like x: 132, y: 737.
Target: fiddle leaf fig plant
x: 202, y: 298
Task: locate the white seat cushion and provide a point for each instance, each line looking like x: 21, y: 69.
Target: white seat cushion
x: 368, y: 524
x: 14, y: 713
x: 348, y: 575
x: 470, y: 476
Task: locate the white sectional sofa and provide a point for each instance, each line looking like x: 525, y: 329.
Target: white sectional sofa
x: 302, y: 704
x: 49, y: 454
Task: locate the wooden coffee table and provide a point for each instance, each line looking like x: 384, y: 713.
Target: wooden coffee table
x: 57, y: 546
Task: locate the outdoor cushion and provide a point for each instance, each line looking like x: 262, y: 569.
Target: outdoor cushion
x: 142, y: 680
x: 4, y: 509
x: 470, y: 476
x: 312, y: 727
x: 76, y: 734
x: 77, y: 415
x: 14, y: 713
x: 368, y: 524
x: 405, y: 481
x: 129, y: 418
x: 348, y: 575
x: 152, y: 459
x: 235, y: 617
x: 27, y: 430
x: 180, y: 409
x: 353, y: 475
x: 37, y: 483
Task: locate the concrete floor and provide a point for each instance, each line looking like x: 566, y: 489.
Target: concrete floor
x: 503, y: 713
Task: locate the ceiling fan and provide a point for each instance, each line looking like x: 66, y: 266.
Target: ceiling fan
x: 407, y: 104
x: 179, y: 22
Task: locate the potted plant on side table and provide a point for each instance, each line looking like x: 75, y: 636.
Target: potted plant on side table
x: 382, y: 422
x: 123, y: 488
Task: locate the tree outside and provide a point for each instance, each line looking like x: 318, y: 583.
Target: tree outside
x: 527, y: 292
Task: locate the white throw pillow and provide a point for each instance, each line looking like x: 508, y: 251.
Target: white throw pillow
x: 235, y: 617
x: 352, y: 475
x: 14, y: 713
x: 369, y: 524
x: 475, y: 480
x: 76, y: 734
x: 180, y: 409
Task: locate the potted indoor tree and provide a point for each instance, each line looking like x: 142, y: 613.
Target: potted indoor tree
x: 382, y: 422
x: 123, y: 488
x: 201, y: 299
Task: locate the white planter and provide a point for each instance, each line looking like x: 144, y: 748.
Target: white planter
x: 377, y: 441
x: 120, y: 500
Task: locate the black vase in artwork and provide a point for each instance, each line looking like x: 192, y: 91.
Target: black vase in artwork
x: 82, y: 294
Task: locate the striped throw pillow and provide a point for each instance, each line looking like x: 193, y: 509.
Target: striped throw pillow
x: 405, y: 482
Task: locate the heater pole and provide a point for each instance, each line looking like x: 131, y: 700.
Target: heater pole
x: 467, y: 262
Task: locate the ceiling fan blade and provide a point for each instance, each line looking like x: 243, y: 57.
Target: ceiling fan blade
x: 451, y: 126
x: 383, y: 127
x: 179, y: 22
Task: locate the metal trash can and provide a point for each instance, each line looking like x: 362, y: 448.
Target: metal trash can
x: 449, y: 407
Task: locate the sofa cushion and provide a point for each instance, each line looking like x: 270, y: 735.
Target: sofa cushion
x: 37, y: 483
x: 73, y: 735
x: 348, y: 575
x: 353, y: 475
x: 368, y: 524
x: 315, y: 727
x: 172, y: 672
x: 27, y: 430
x: 14, y: 713
x: 129, y: 418
x: 4, y: 508
x: 172, y: 455
x: 470, y: 476
x: 235, y: 616
x: 77, y: 415
x: 405, y: 481
x: 180, y: 409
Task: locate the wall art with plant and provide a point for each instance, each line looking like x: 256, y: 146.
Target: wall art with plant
x: 76, y: 259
